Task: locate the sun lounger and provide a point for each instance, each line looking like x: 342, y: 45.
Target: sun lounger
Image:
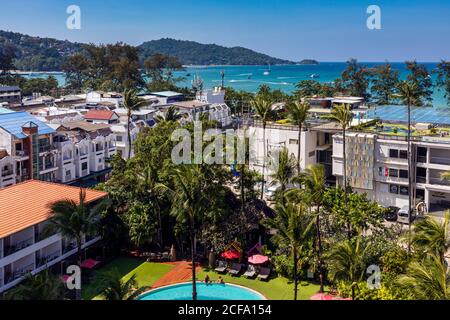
x: 264, y: 274
x: 251, y: 271
x: 221, y: 267
x: 235, y: 269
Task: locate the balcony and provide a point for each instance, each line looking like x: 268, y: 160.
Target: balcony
x: 68, y: 247
x: 440, y: 160
x: 48, y: 165
x: 439, y: 181
x: 48, y: 258
x: 420, y: 179
x: 6, y: 173
x: 21, y: 153
x: 19, y: 246
x: 46, y: 148
x: 20, y: 272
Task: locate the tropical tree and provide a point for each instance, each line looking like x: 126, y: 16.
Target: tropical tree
x: 446, y: 176
x: 170, y: 115
x: 343, y: 115
x: 431, y: 236
x: 427, y: 280
x: 346, y: 263
x: 356, y: 78
x: 313, y: 180
x: 263, y: 109
x: 443, y: 78
x: 421, y: 78
x: 43, y: 286
x: 113, y: 287
x: 298, y: 112
x: 73, y: 220
x: 284, y: 165
x: 293, y: 231
x: 409, y: 93
x: 384, y: 84
x: 190, y: 205
x: 131, y: 102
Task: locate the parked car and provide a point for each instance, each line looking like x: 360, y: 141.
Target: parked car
x: 390, y: 213
x: 404, y: 217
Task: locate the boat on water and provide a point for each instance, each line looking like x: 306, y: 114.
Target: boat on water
x: 267, y: 72
x: 314, y: 76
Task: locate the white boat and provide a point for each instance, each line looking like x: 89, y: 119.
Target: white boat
x: 267, y: 72
x: 313, y: 76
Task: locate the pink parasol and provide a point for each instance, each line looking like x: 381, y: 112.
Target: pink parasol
x: 322, y: 296
x: 230, y: 254
x: 258, y: 259
x: 89, y: 263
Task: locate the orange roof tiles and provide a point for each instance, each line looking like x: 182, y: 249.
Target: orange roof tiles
x: 26, y: 204
x: 99, y: 114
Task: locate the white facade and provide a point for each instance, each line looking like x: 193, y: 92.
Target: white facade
x: 98, y: 97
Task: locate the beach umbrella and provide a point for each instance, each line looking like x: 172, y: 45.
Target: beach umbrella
x: 258, y: 259
x: 322, y: 296
x: 173, y: 253
x: 212, y: 258
x: 230, y: 254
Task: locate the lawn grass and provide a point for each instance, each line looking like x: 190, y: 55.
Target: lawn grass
x: 146, y: 274
x: 277, y: 288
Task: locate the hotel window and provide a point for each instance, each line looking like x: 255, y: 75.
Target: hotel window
x: 403, y: 154
x: 380, y: 171
x: 403, y: 174
x: 404, y: 191
x: 84, y: 166
x: 393, y: 153
x: 293, y: 141
x: 393, y: 173
x: 119, y: 138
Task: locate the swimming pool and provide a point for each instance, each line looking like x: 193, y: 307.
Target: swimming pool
x: 183, y: 291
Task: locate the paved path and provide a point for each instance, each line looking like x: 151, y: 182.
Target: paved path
x: 180, y: 273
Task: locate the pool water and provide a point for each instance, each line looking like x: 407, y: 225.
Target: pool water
x: 214, y: 291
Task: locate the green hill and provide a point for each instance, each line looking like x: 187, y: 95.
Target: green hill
x: 194, y: 53
x: 48, y: 54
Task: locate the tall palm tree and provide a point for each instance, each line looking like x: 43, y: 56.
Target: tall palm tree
x: 283, y: 169
x: 346, y: 262
x: 343, y: 115
x: 43, y: 286
x: 263, y: 109
x: 73, y: 220
x: 427, y: 280
x: 190, y: 204
x: 293, y: 230
x: 298, y: 112
x: 131, y: 102
x: 408, y: 94
x: 431, y: 236
x: 313, y: 180
x: 113, y: 287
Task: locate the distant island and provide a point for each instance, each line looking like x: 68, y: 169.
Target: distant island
x: 308, y: 61
x: 48, y: 54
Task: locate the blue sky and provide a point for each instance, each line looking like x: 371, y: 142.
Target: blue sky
x: 326, y: 30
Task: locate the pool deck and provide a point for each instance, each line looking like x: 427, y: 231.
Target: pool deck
x: 180, y: 273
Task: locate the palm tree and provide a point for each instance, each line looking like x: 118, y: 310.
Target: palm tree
x: 190, y: 204
x: 113, y: 287
x: 427, y: 280
x: 408, y: 94
x: 293, y: 231
x: 346, y: 262
x: 131, y: 102
x: 298, y: 112
x: 73, y: 220
x: 263, y: 109
x: 284, y: 169
x: 171, y: 115
x: 445, y: 176
x: 431, y: 236
x: 313, y: 180
x: 43, y: 286
x: 343, y: 115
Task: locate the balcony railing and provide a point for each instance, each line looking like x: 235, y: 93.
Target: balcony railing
x: 421, y: 179
x: 439, y: 181
x: 18, y: 246
x: 6, y: 173
x: 440, y: 160
x: 21, y: 153
x: 20, y: 272
x: 48, y: 165
x: 68, y: 247
x: 422, y: 159
x: 48, y: 258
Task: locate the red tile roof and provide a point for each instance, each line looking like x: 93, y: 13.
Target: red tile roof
x: 26, y: 204
x: 99, y: 115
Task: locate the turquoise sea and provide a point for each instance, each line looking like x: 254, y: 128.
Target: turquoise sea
x: 283, y: 77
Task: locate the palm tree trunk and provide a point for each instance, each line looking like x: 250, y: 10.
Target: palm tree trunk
x: 299, y: 146
x: 242, y: 187
x: 319, y: 249
x: 295, y: 272
x: 264, y: 160
x: 409, y: 178
x: 194, y: 283
x: 80, y: 260
x: 353, y: 292
x: 129, y: 134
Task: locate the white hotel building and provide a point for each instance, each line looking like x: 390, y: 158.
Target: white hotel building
x: 24, y: 246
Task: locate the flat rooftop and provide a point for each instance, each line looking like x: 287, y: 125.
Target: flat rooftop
x: 26, y: 204
x: 395, y: 113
